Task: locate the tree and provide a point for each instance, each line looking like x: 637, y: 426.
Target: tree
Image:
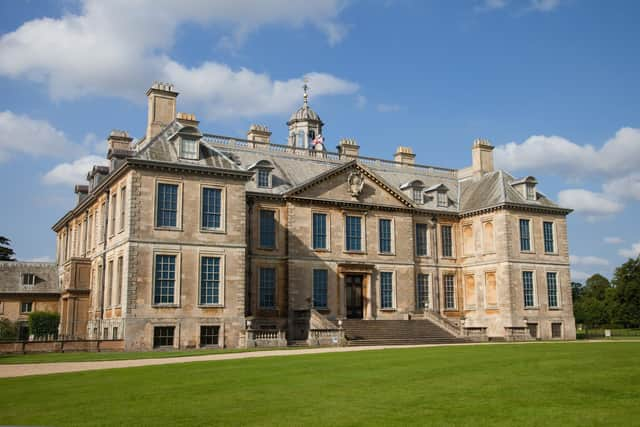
x: 8, y: 330
x: 6, y: 253
x: 626, y: 280
x: 43, y: 323
x: 576, y: 291
x: 595, y: 303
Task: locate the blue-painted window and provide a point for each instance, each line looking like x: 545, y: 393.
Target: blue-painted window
x: 552, y: 289
x: 320, y: 278
x: 267, y: 287
x: 449, y: 292
x: 264, y: 178
x: 386, y: 290
x: 421, y: 240
x: 319, y: 231
x: 267, y: 229
x: 527, y: 287
x: 209, y: 280
x: 165, y: 280
x: 525, y: 239
x: 167, y: 205
x: 211, y: 208
x: 547, y: 229
x: 447, y: 241
x: 385, y: 236
x: 353, y: 235
x: 422, y: 291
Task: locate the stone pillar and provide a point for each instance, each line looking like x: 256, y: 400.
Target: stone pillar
x: 482, y: 157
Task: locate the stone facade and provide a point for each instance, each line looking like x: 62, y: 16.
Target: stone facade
x: 466, y: 265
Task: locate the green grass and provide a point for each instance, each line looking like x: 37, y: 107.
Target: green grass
x: 15, y: 359
x: 581, y: 384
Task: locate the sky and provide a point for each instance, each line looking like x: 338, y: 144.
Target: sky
x: 553, y: 84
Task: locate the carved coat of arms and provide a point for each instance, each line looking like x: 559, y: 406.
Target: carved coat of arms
x: 355, y: 182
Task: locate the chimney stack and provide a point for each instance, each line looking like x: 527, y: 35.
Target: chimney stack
x: 259, y: 133
x: 482, y: 157
x: 186, y: 119
x: 348, y: 148
x: 162, y: 107
x: 81, y: 192
x: 405, y: 156
x: 119, y: 144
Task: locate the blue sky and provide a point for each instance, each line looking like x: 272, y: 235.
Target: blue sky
x: 551, y: 83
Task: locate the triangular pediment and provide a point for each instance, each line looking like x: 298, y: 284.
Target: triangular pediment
x: 353, y: 183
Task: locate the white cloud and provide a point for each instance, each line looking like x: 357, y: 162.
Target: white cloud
x: 613, y: 240
x: 626, y: 187
x: 579, y: 276
x: 388, y: 108
x: 361, y: 101
x: 544, y: 5
x: 74, y: 172
x: 45, y: 258
x: 588, y: 260
x: 631, y: 252
x: 95, y: 51
x: 20, y: 134
x: 594, y: 205
x: 488, y: 5
x: 533, y: 5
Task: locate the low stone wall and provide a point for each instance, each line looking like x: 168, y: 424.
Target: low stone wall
x: 61, y: 346
x: 477, y: 334
x: 326, y: 337
x: 266, y: 338
x: 517, y: 333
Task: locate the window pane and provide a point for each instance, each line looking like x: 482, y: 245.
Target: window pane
x: 320, y: 288
x: 165, y: 279
x: 418, y: 195
x: 163, y: 336
x: 385, y: 235
x: 353, y: 233
x: 267, y: 229
x: 167, y: 205
x: 422, y: 291
x: 447, y: 244
x: 527, y: 286
x: 263, y: 178
x: 449, y: 292
x: 267, y: 287
x: 525, y: 242
x: 548, y: 236
x: 319, y: 231
x: 209, y: 280
x: 421, y: 240
x: 209, y: 335
x: 442, y: 199
x: 189, y: 149
x: 552, y: 289
x: 211, y: 208
x: 386, y: 290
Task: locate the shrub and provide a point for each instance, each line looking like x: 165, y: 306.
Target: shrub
x: 8, y: 330
x: 43, y: 323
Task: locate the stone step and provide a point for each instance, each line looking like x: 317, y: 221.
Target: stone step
x: 395, y: 332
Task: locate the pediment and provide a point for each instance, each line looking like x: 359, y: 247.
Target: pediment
x: 353, y: 183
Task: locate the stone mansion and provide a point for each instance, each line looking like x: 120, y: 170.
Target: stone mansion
x: 189, y: 239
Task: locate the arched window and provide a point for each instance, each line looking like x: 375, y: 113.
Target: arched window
x: 300, y: 140
x: 312, y: 134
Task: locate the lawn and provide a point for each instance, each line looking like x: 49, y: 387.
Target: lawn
x: 561, y: 384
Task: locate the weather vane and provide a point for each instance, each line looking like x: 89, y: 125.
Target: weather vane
x: 305, y: 87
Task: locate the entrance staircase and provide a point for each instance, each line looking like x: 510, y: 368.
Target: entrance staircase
x: 396, y: 332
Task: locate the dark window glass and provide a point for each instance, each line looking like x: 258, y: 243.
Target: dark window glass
x: 447, y: 243
x: 319, y: 231
x: 353, y: 233
x: 386, y: 290
x: 547, y: 228
x: 527, y: 287
x: 209, y: 335
x: 552, y: 289
x: 167, y: 205
x: 209, y: 280
x: 28, y: 279
x: 165, y: 279
x: 211, y: 207
x: 267, y: 287
x: 556, y: 330
x: 26, y: 307
x: 421, y: 240
x: 263, y: 178
x: 267, y: 229
x: 320, y: 288
x: 115, y: 333
x: 163, y: 336
x: 525, y: 240
x: 385, y: 235
x: 449, y: 292
x: 422, y: 291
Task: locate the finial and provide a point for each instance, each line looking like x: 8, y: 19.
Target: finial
x: 305, y: 87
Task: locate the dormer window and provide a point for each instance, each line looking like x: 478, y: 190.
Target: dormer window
x: 189, y: 149
x: 28, y: 279
x: 526, y: 187
x: 263, y: 173
x: 443, y: 201
x: 418, y: 195
x: 264, y: 178
x: 531, y: 192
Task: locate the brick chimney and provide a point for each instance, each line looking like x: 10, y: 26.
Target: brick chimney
x: 482, y: 157
x: 186, y: 119
x: 259, y: 133
x: 119, y: 144
x: 348, y: 148
x: 162, y: 107
x: 405, y: 156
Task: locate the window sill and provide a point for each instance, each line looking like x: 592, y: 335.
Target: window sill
x: 527, y: 252
x: 532, y: 308
x: 388, y: 309
x: 452, y: 258
x: 266, y: 249
x: 386, y: 253
x: 321, y: 249
x: 165, y: 305
x: 213, y: 230
x: 552, y: 253
x: 167, y: 228
x: 323, y: 310
x: 268, y: 308
x: 450, y: 310
x: 210, y: 305
x: 355, y: 252
x: 555, y: 308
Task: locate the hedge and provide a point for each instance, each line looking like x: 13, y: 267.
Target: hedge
x: 43, y: 323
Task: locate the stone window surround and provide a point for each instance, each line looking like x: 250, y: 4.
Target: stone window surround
x: 470, y: 305
x: 113, y: 276
x: 536, y: 305
x: 312, y: 281
x: 429, y: 288
x: 393, y: 235
x: 221, y: 296
x: 178, y: 279
x: 183, y: 153
x: 328, y: 230
x: 486, y: 286
x: 275, y: 293
x: 558, y: 287
x: 453, y: 273
x: 123, y: 208
x: 264, y: 170
x: 453, y: 240
x: 223, y: 209
x: 276, y: 220
x: 394, y: 289
x: 363, y: 231
x: 180, y: 184
x: 551, y: 322
x: 22, y: 306
x: 220, y: 326
x: 485, y: 250
x: 532, y: 245
x: 473, y: 239
x: 165, y: 324
x: 428, y: 241
x: 113, y: 212
x: 554, y: 234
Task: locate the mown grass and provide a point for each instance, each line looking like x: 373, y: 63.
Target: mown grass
x: 575, y: 384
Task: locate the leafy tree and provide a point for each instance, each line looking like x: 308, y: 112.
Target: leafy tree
x: 43, y: 323
x: 8, y: 330
x: 595, y: 303
x: 627, y: 293
x: 6, y: 253
x: 576, y: 291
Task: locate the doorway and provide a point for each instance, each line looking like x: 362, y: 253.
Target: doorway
x: 353, y: 293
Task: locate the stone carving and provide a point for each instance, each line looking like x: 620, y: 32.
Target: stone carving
x: 355, y: 181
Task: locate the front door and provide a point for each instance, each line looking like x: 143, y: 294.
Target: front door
x: 353, y: 290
